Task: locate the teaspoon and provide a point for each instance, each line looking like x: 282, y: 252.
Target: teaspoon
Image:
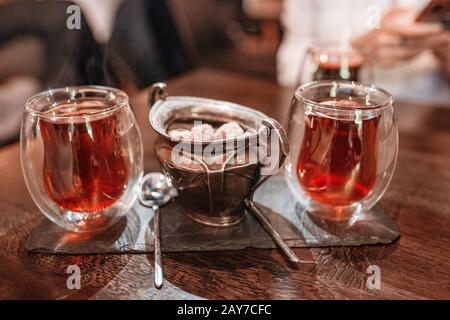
x: 156, y: 191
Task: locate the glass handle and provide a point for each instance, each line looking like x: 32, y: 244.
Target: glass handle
x: 157, y: 92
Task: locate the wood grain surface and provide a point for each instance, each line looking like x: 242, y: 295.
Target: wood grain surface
x: 417, y: 266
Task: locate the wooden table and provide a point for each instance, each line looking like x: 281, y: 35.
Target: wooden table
x: 416, y: 266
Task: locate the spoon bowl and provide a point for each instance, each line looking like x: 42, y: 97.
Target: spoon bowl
x: 156, y: 189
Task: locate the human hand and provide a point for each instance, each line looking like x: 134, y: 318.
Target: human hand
x: 400, y: 38
x: 443, y: 54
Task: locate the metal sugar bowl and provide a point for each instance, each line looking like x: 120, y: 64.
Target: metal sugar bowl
x: 215, y: 179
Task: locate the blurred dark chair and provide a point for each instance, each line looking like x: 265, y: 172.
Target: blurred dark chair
x: 38, y: 51
x: 145, y: 46
x: 217, y: 34
x: 157, y: 39
x: 71, y: 57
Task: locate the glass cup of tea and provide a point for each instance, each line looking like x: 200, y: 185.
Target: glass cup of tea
x: 344, y: 143
x: 82, y: 155
x: 333, y: 62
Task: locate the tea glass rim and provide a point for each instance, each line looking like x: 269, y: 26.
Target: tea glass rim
x: 331, y: 45
x: 300, y: 95
x: 120, y: 100
x: 353, y: 55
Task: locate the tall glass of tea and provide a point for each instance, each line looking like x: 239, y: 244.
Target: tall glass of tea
x: 344, y: 142
x: 328, y: 61
x: 82, y: 155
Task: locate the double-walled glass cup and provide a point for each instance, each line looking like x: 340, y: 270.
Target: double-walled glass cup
x: 82, y: 155
x: 344, y: 141
x: 332, y: 61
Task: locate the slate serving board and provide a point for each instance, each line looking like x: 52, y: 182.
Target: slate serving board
x: 133, y: 234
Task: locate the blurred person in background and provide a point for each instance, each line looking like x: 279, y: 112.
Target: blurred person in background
x: 122, y: 43
x: 410, y: 59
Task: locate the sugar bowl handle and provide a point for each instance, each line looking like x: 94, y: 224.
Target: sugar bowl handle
x: 273, y: 127
x: 275, y: 131
x: 158, y: 91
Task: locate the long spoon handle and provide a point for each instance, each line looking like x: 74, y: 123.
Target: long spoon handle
x: 273, y: 233
x: 158, y: 259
